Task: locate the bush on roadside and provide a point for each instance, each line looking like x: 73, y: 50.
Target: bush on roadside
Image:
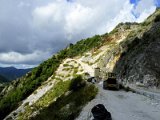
x: 157, y: 19
x: 77, y: 83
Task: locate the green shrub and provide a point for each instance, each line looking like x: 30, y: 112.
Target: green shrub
x: 66, y: 69
x: 77, y: 83
x: 157, y: 19
x: 114, y: 31
x: 65, y: 65
x: 27, y: 103
x: 75, y: 71
x: 68, y: 75
x: 146, y: 23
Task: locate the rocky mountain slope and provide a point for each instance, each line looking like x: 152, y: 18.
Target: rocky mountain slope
x: 140, y: 62
x: 131, y: 50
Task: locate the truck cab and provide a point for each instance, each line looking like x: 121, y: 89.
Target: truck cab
x: 110, y: 81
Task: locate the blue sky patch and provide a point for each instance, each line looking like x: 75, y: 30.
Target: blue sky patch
x: 135, y: 2
x: 157, y: 2
x: 69, y: 0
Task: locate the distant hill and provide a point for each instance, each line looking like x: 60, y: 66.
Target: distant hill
x: 3, y: 79
x: 12, y: 73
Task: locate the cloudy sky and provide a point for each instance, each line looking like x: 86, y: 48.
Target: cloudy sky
x: 33, y: 30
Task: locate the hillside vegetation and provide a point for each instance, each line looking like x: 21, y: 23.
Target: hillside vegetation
x: 67, y: 99
x: 24, y: 87
x: 3, y: 81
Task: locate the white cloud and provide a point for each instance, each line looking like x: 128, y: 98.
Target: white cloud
x: 144, y: 6
x: 14, y: 57
x: 145, y: 14
x: 48, y: 26
x: 43, y: 16
x: 124, y: 15
x: 143, y: 9
x: 78, y: 19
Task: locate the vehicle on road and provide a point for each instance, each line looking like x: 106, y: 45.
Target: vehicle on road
x: 92, y: 80
x: 110, y: 82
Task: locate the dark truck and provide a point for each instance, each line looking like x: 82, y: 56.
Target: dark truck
x: 110, y: 81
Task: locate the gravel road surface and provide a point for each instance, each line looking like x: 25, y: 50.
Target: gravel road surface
x: 123, y: 106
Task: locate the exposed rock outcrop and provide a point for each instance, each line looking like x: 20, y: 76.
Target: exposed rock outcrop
x: 141, y: 61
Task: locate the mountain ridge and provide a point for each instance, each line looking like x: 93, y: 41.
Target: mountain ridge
x: 12, y: 73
